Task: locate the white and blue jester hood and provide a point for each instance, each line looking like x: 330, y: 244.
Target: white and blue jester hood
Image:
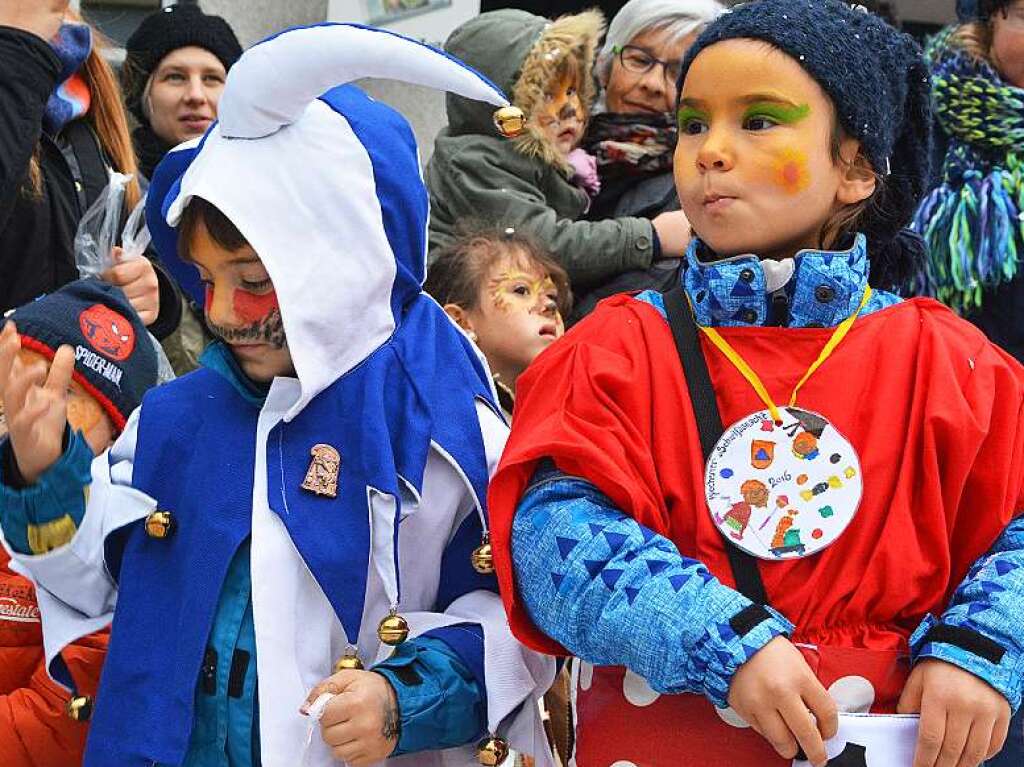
x: 324, y: 183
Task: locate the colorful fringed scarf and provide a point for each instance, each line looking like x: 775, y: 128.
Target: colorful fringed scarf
x: 71, y: 99
x: 972, y: 222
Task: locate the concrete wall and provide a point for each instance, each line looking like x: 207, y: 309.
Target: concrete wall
x: 431, y: 26
x: 253, y: 20
x: 934, y: 11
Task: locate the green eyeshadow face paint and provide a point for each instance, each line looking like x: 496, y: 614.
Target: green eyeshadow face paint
x: 782, y: 114
x: 690, y: 117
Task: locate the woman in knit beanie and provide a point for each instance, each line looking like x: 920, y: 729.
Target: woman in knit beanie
x: 174, y: 71
x: 777, y: 505
x: 972, y: 219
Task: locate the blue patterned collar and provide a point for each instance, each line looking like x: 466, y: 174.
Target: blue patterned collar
x: 825, y: 287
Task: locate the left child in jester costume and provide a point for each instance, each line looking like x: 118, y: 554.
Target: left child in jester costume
x: 863, y: 602
x: 292, y: 540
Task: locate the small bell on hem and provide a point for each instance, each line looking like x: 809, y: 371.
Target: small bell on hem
x: 159, y: 525
x: 492, y: 751
x: 393, y: 629
x: 483, y: 557
x: 349, y: 661
x: 510, y: 121
x: 79, y: 708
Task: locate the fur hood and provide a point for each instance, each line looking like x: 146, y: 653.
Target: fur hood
x: 520, y: 53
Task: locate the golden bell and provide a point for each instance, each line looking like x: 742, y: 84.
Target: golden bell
x: 492, y: 751
x: 510, y: 121
x: 350, y: 662
x: 79, y: 708
x: 159, y: 524
x: 483, y: 557
x: 393, y: 629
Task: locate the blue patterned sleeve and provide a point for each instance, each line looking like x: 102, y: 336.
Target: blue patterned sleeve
x: 983, y: 629
x: 614, y: 593
x: 45, y: 515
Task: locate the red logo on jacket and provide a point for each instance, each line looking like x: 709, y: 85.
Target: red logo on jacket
x: 107, y: 332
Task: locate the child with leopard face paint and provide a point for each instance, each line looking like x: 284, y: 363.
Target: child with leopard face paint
x: 507, y: 294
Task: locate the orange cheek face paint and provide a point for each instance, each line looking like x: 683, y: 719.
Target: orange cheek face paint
x: 250, y: 307
x: 791, y: 172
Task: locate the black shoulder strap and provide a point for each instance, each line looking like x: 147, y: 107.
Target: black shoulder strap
x: 89, y: 164
x: 709, y: 423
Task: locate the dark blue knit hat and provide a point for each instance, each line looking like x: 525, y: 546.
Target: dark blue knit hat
x: 978, y: 10
x: 877, y: 80
x: 114, y: 358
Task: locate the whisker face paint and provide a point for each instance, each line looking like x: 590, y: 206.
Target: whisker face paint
x: 261, y: 312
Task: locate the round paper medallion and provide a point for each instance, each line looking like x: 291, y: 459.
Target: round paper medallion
x: 783, y: 491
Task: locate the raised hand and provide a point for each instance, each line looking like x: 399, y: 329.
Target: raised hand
x: 777, y: 693
x: 137, y: 278
x: 361, y: 723
x: 963, y: 720
x: 35, y: 404
x: 40, y: 17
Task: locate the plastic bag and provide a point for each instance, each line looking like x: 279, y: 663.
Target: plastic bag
x: 97, y: 236
x: 99, y: 228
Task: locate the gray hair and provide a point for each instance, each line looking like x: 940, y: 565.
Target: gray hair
x: 679, y: 17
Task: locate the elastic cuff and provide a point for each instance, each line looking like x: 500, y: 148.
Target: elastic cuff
x: 972, y: 651
x: 57, y: 497
x: 733, y: 640
x: 418, y: 699
x: 171, y: 305
x: 655, y: 245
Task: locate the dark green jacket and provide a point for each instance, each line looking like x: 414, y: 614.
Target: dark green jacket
x: 476, y: 175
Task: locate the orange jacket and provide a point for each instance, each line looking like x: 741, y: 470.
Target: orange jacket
x: 35, y: 730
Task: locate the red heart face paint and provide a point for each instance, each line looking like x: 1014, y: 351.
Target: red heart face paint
x: 258, y: 318
x: 251, y: 307
x: 242, y: 308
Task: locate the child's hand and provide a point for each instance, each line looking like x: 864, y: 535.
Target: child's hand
x: 777, y: 693
x: 963, y: 719
x: 137, y: 278
x: 35, y: 404
x: 674, y: 233
x: 361, y: 723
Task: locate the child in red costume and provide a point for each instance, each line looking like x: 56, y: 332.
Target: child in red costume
x: 885, y: 573
x: 85, y: 338
x: 35, y: 727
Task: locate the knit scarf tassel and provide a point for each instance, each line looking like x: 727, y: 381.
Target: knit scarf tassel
x: 972, y: 222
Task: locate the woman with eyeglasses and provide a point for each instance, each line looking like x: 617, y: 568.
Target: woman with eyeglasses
x: 972, y: 220
x: 633, y: 132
